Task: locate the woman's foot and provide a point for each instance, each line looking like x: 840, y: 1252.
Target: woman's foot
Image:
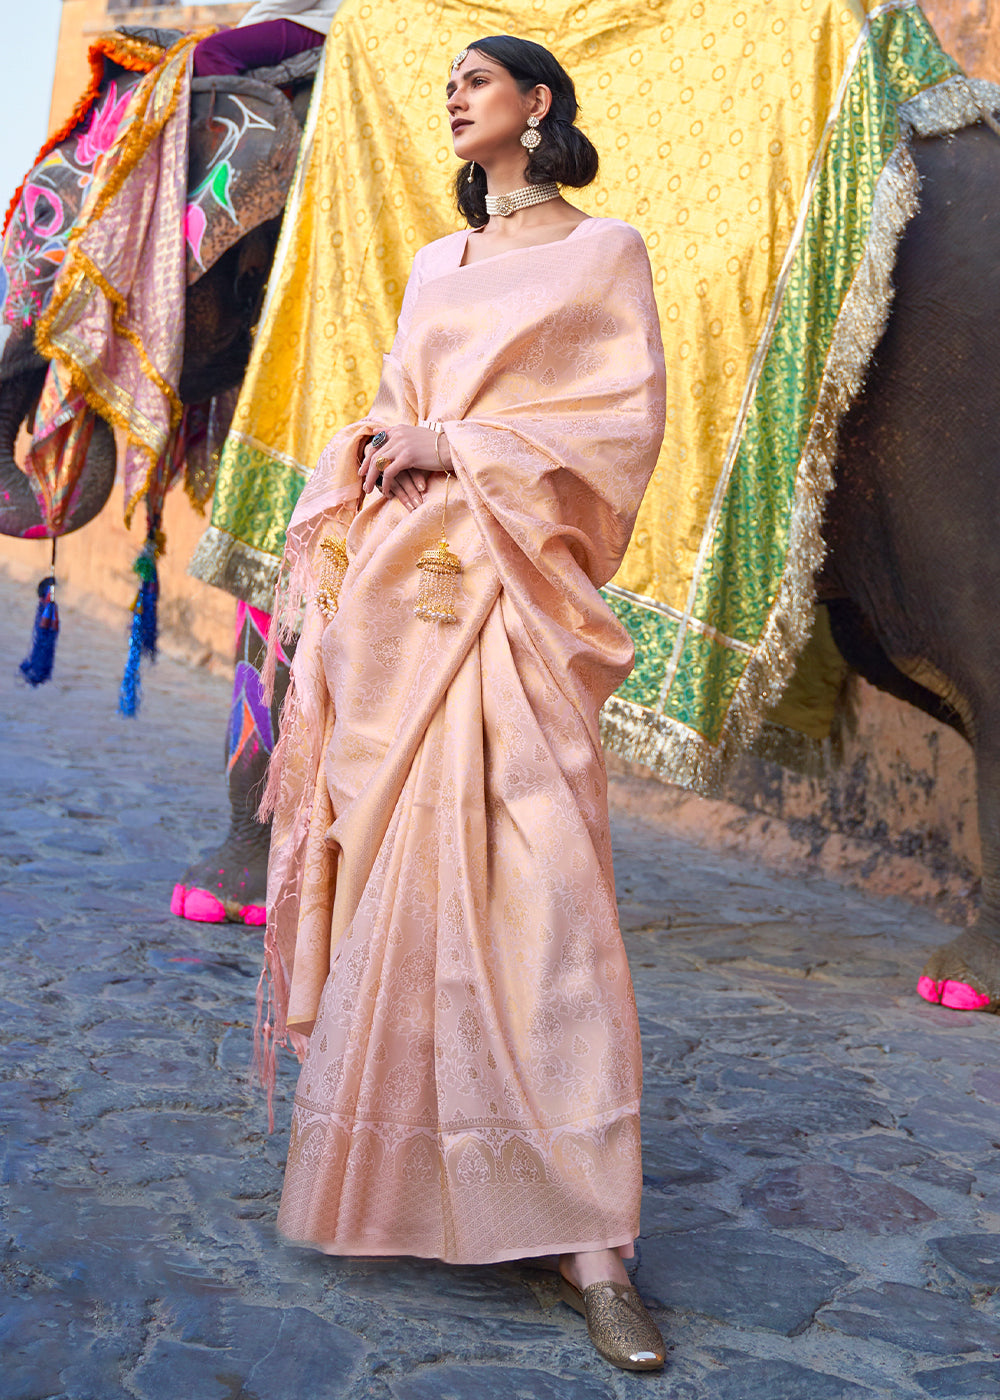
x: 595, y: 1284
x: 592, y: 1266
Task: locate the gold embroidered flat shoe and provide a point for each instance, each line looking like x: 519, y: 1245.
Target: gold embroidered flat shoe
x: 618, y: 1323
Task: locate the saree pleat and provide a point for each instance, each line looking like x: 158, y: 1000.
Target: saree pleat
x: 443, y: 919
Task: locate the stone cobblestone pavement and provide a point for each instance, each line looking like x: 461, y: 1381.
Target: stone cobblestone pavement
x: 821, y: 1217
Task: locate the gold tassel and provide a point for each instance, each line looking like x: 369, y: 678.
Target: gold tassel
x: 332, y: 576
x: 440, y: 570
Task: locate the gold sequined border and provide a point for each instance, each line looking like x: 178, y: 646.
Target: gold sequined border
x: 223, y: 561
x: 672, y: 750
x: 958, y: 102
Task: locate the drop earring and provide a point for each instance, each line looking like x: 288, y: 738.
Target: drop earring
x: 472, y: 171
x: 532, y: 137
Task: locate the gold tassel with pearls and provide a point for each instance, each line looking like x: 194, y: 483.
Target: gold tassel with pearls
x: 440, y: 571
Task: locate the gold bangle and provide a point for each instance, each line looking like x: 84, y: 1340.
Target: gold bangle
x: 437, y: 448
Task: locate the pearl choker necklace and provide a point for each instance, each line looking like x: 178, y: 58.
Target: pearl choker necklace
x: 507, y: 204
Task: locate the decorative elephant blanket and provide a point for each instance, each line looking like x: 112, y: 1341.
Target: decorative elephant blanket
x: 44, y: 207
x: 762, y: 152
x: 114, y: 328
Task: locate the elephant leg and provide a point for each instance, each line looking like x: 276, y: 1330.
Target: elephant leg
x: 229, y: 883
x: 965, y: 973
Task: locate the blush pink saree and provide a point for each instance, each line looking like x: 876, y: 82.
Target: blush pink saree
x: 442, y: 919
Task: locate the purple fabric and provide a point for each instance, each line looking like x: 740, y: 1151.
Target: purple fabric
x: 254, y: 46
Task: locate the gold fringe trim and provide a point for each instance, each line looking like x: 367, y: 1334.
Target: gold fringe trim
x: 669, y: 748
x: 140, y: 133
x: 674, y: 752
x: 131, y: 54
x: 953, y: 104
x: 119, y: 309
x: 193, y: 492
x: 139, y: 136
x: 225, y: 562
x: 128, y: 51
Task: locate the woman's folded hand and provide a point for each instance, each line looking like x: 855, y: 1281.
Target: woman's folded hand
x: 401, y: 463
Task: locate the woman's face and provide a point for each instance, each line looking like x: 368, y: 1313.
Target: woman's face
x: 487, y: 109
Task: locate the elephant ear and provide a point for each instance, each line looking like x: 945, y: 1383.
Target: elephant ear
x: 244, y: 144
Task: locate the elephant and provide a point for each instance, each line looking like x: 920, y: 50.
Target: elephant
x: 244, y: 140
x: 912, y: 573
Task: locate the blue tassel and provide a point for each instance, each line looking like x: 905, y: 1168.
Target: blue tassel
x: 128, y: 694
x: 149, y: 592
x: 142, y: 634
x: 37, y: 668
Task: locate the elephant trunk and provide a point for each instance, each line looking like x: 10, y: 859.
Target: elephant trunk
x: 20, y: 515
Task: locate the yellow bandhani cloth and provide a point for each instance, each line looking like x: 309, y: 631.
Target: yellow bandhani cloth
x: 114, y: 328
x: 761, y: 151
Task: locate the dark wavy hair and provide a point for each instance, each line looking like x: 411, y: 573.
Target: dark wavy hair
x: 565, y: 155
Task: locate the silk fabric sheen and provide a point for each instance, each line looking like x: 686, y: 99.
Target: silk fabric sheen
x: 441, y: 899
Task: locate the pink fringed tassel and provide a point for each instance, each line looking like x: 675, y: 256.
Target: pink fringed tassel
x: 272, y: 787
x: 269, y: 1029
x: 264, y: 1057
x: 270, y: 667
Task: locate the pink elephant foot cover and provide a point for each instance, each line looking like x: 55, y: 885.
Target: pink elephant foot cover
x: 203, y: 907
x: 957, y: 995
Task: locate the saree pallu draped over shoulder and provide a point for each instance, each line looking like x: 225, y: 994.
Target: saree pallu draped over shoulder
x: 442, y: 918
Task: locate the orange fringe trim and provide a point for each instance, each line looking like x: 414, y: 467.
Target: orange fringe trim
x: 128, y: 53
x: 78, y: 267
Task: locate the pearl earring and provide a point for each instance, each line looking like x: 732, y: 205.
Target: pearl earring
x: 472, y: 171
x: 532, y: 137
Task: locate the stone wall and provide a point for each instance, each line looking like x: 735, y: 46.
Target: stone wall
x: 970, y: 30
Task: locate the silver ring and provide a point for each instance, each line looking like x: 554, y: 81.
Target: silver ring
x: 380, y: 438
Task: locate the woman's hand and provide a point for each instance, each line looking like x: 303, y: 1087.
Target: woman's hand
x: 403, y: 461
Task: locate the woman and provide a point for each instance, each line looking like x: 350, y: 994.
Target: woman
x: 442, y: 919
x: 269, y: 32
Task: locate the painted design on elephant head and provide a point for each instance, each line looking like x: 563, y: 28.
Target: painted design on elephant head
x: 36, y: 238
x: 99, y: 134
x: 216, y: 186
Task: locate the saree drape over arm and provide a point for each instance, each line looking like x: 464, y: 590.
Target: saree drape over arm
x: 442, y: 918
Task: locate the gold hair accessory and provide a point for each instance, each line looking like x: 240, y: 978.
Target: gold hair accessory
x: 532, y: 137
x: 440, y: 570
x: 458, y: 59
x: 507, y: 204
x: 332, y: 576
